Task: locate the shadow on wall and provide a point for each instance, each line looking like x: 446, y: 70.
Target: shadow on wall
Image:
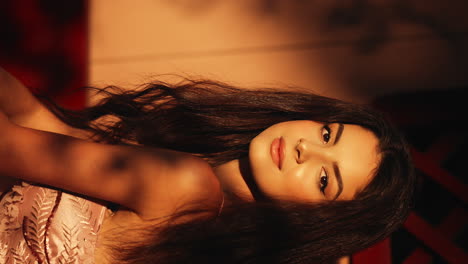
x: 373, y: 46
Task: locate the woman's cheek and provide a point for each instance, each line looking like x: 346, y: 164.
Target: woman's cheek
x: 299, y: 183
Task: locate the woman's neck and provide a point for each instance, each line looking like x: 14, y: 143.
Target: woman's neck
x: 234, y: 178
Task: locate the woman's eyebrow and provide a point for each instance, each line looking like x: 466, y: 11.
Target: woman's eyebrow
x: 336, y: 169
x: 338, y: 178
x: 339, y: 132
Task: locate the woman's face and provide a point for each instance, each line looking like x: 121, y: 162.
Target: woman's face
x: 310, y: 161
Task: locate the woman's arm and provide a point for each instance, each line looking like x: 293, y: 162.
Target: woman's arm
x: 152, y: 182
x: 16, y: 100
x: 23, y: 108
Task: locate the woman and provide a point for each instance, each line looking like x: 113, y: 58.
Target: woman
x: 202, y: 172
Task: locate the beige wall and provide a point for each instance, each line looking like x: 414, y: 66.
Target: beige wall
x: 282, y: 43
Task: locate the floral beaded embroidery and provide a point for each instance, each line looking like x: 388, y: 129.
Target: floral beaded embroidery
x: 42, y: 225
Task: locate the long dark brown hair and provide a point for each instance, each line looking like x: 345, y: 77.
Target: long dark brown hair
x: 217, y: 121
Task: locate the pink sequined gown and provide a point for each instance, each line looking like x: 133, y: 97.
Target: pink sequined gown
x: 41, y: 225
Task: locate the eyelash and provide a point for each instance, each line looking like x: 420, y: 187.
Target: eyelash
x: 326, y: 129
x: 323, y: 180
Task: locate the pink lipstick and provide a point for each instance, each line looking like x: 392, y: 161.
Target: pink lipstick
x: 277, y: 151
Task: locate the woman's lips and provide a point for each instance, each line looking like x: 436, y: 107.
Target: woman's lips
x: 277, y: 151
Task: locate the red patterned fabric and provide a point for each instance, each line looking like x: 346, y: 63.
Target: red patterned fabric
x: 434, y: 123
x: 45, y: 45
x: 379, y: 253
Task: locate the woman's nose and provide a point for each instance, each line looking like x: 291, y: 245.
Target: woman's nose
x: 305, y: 150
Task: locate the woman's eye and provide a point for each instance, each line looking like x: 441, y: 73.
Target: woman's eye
x: 323, y: 180
x: 326, y: 134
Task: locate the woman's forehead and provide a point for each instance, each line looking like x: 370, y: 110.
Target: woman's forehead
x: 359, y: 156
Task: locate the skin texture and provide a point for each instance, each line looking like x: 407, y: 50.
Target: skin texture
x: 311, y: 152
